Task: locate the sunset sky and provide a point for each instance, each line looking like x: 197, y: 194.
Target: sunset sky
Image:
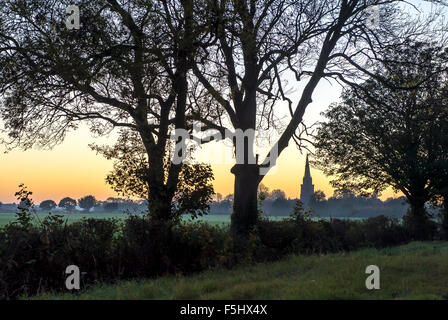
x: 73, y: 169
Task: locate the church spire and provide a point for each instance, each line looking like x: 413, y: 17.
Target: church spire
x: 307, y: 168
x: 307, y: 187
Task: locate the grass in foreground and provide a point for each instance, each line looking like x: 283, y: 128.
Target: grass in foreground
x: 418, y: 270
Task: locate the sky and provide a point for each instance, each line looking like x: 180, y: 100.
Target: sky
x: 73, y: 169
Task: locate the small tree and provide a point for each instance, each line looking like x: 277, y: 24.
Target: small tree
x: 47, y: 205
x: 87, y: 202
x: 25, y: 207
x: 68, y: 204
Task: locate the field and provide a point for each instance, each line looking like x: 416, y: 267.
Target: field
x: 211, y: 219
x: 8, y: 217
x: 418, y: 270
x: 71, y: 217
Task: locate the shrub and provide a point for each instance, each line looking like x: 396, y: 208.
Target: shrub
x: 443, y: 218
x: 143, y: 246
x: 34, y: 258
x: 198, y: 246
x: 419, y: 226
x: 305, y: 236
x: 382, y: 232
x: 277, y: 235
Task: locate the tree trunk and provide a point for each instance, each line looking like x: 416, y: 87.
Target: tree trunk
x: 444, y: 217
x: 159, y: 199
x: 159, y: 205
x: 417, y: 220
x: 245, y: 205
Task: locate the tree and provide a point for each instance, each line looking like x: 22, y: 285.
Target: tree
x: 219, y: 197
x: 262, y: 45
x: 129, y: 177
x: 317, y: 198
x: 117, y: 200
x: 281, y: 205
x: 379, y: 136
x: 68, y: 204
x: 277, y: 194
x: 126, y: 67
x: 439, y: 175
x: 130, y: 66
x: 47, y: 205
x: 343, y: 193
x: 263, y: 192
x: 87, y: 202
x: 111, y: 206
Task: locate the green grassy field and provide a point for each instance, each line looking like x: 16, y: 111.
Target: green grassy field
x: 71, y: 217
x: 8, y: 217
x: 418, y: 270
x: 212, y: 219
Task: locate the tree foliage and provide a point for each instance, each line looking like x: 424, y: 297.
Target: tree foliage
x: 265, y: 48
x: 155, y: 66
x: 129, y: 176
x: 68, y: 204
x: 47, y: 205
x: 87, y: 202
x: 317, y: 197
x: 126, y: 67
x: 380, y: 136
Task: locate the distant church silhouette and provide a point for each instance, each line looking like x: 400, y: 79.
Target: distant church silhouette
x: 307, y: 187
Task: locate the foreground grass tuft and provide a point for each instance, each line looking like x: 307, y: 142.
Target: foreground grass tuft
x: 418, y: 270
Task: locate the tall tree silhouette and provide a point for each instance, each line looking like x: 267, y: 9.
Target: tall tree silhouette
x: 126, y: 67
x: 262, y: 46
x: 380, y: 136
x: 130, y: 65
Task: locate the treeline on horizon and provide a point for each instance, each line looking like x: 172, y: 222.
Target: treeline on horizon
x: 343, y: 203
x: 85, y: 204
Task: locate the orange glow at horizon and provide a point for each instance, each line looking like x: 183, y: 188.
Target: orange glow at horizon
x: 73, y: 169
x: 70, y: 169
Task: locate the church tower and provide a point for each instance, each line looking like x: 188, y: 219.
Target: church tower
x: 307, y: 188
